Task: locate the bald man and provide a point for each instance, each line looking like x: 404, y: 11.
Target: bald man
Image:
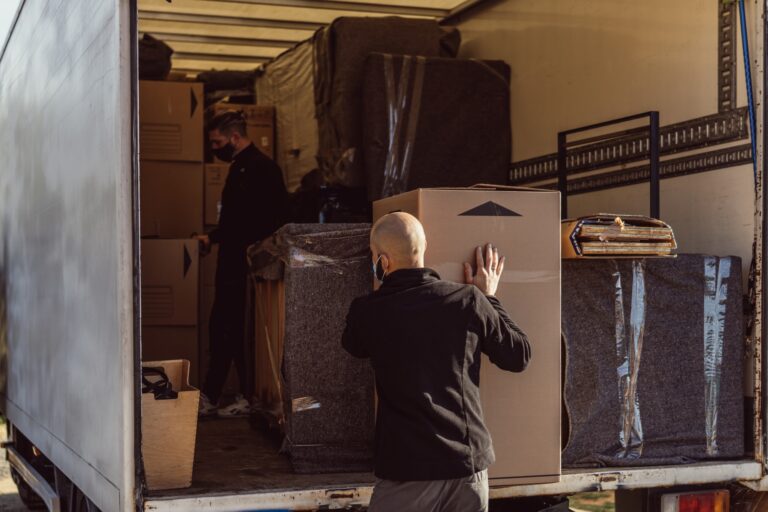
x: 424, y: 337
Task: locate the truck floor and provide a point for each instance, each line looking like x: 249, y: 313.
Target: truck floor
x: 231, y: 456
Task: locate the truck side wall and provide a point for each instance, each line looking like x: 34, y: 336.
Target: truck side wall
x: 575, y: 63
x: 66, y: 240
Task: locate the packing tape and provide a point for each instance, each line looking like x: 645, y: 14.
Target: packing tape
x: 629, y: 349
x: 716, y: 273
x: 304, y: 403
x: 400, y: 152
x: 453, y: 270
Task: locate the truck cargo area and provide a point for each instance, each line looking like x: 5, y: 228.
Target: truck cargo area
x: 239, y: 463
x: 233, y: 457
x: 614, y: 151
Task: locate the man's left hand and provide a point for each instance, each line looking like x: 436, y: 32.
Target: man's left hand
x: 489, y: 270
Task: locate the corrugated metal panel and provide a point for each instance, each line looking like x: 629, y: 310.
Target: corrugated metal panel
x: 243, y: 34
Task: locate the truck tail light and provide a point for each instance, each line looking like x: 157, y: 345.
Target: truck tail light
x: 705, y: 501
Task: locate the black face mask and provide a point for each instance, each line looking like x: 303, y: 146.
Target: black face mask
x: 224, y: 153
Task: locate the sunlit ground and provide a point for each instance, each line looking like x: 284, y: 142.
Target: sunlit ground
x: 9, y: 499
x: 593, y: 502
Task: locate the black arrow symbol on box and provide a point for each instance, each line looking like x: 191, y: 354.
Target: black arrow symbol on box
x: 490, y: 209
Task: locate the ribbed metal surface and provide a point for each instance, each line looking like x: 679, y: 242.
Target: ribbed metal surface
x: 242, y: 34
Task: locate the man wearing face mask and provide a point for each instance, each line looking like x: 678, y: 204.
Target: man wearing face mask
x: 424, y: 337
x: 254, y: 204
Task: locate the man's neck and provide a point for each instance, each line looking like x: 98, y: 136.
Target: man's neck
x: 412, y: 265
x: 244, y: 143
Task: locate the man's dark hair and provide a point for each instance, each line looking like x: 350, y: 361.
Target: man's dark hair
x: 228, y: 122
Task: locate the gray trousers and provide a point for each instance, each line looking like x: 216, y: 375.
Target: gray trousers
x: 468, y: 494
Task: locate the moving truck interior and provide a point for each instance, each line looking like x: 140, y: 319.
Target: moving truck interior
x: 107, y: 178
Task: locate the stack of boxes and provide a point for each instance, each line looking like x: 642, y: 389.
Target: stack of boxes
x: 181, y: 197
x: 171, y: 187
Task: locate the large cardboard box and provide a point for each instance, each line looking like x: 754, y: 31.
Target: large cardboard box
x: 171, y: 121
x: 522, y: 411
x: 260, y: 121
x: 169, y: 282
x: 171, y: 199
x: 169, y: 430
x: 172, y: 342
x: 215, y: 177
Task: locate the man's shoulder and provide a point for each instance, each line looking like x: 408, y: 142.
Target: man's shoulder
x: 454, y: 288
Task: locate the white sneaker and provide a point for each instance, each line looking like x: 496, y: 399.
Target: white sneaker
x: 240, y: 407
x: 206, y: 407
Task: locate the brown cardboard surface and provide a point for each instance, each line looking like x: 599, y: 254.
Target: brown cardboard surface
x: 169, y: 430
x: 522, y: 411
x: 172, y: 343
x: 215, y: 176
x: 171, y: 121
x: 169, y: 282
x: 171, y: 199
x: 260, y: 122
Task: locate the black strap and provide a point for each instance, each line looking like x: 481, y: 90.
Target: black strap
x: 160, y: 387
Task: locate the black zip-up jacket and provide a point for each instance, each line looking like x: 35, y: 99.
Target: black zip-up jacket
x: 254, y: 204
x: 424, y: 337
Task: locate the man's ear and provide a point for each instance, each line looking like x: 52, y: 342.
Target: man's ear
x: 385, y: 263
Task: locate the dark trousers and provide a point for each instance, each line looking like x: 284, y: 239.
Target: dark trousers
x: 227, y: 330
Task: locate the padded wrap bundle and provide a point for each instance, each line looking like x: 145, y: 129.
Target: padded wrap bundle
x: 340, y: 53
x: 654, y: 360
x: 287, y: 83
x: 328, y: 395
x: 432, y: 122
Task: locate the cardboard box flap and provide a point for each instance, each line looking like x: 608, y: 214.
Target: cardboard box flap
x: 489, y: 186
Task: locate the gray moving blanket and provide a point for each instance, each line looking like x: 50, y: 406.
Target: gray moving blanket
x: 432, y: 122
x: 328, y: 395
x: 340, y: 53
x: 654, y: 360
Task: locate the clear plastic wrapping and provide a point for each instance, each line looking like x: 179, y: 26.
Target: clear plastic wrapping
x: 629, y: 348
x: 716, y: 273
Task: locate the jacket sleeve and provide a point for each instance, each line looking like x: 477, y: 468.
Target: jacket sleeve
x: 215, y: 236
x: 505, y: 344
x: 353, y: 340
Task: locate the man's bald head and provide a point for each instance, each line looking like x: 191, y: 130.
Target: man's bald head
x: 400, y: 238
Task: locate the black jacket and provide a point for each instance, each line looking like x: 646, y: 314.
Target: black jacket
x: 254, y: 204
x: 424, y: 337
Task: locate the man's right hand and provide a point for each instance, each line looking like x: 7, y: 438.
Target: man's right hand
x: 489, y: 270
x: 205, y: 244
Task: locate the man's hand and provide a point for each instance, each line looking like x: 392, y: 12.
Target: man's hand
x: 488, y: 270
x: 205, y: 244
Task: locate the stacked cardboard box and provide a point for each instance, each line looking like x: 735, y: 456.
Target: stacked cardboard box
x: 171, y: 188
x: 521, y: 410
